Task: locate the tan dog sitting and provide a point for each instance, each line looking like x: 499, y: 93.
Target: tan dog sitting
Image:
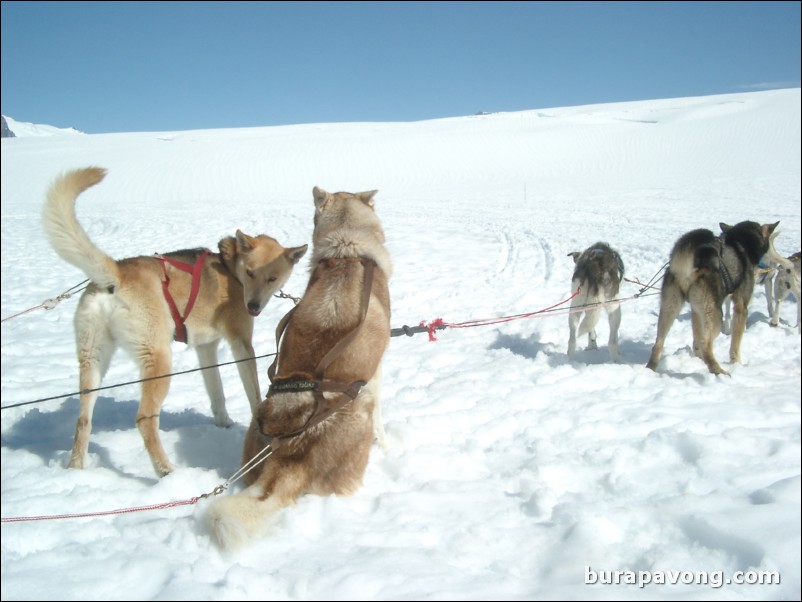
x: 322, y: 412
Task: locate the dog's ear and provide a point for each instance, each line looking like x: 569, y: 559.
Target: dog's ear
x: 724, y: 227
x: 319, y: 195
x: 574, y: 254
x: 295, y: 254
x: 228, y: 248
x: 245, y: 243
x: 769, y: 228
x: 367, y: 198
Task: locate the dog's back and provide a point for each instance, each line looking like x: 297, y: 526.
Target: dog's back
x: 599, y: 270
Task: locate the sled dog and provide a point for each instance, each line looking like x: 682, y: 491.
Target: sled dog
x: 597, y: 276
x: 786, y: 282
x: 703, y: 269
x: 765, y: 273
x: 321, y: 413
x: 133, y: 303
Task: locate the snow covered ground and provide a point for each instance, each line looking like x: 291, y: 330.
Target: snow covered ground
x: 514, y: 473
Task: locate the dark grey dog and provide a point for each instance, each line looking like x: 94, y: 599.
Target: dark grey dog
x: 597, y: 276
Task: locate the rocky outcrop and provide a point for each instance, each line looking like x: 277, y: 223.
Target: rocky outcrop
x: 7, y: 133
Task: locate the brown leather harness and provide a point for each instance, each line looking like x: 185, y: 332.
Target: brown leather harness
x: 320, y: 384
x: 194, y: 269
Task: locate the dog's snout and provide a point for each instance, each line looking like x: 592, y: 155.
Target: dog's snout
x: 254, y: 308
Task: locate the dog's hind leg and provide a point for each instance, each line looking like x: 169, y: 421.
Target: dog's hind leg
x: 698, y: 335
x: 589, y: 322
x: 706, y: 321
x: 726, y: 327
x: 738, y: 326
x: 207, y: 357
x: 614, y: 319
x: 592, y: 344
x: 768, y: 286
x: 671, y: 302
x: 775, y: 310
x: 373, y: 387
x: 573, y: 322
x: 95, y: 349
x: 154, y: 363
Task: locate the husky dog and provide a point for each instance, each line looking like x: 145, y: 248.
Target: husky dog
x: 703, y: 270
x: 765, y: 273
x: 321, y: 413
x: 131, y: 303
x: 597, y: 276
x: 786, y: 282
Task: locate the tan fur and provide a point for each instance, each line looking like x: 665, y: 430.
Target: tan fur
x: 331, y: 456
x: 124, y: 306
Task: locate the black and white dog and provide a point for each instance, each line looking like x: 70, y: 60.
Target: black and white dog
x: 780, y: 277
x: 597, y: 277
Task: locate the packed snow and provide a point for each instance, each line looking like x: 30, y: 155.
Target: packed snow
x: 513, y: 472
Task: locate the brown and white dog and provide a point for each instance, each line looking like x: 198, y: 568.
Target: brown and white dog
x: 321, y: 413
x: 133, y: 303
x: 703, y: 269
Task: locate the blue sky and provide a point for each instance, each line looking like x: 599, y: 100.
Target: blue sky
x: 160, y: 66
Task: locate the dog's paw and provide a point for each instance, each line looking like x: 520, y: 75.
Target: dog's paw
x: 223, y: 420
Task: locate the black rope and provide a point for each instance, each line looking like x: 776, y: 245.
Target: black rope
x: 651, y: 282
x: 132, y: 382
x: 394, y: 332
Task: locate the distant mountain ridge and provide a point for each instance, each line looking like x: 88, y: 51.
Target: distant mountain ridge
x: 20, y: 129
x: 7, y: 133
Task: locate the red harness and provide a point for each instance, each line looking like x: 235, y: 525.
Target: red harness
x: 194, y: 269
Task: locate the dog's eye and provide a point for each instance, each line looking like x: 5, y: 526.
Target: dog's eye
x: 272, y: 279
x: 249, y: 273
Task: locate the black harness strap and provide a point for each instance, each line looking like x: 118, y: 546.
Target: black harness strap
x: 726, y: 277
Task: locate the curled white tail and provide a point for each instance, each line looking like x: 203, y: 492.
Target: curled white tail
x: 773, y: 256
x: 66, y: 235
x: 589, y: 321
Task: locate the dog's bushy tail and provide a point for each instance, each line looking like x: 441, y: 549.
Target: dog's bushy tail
x: 589, y: 321
x: 707, y: 257
x: 240, y: 518
x: 66, y: 235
